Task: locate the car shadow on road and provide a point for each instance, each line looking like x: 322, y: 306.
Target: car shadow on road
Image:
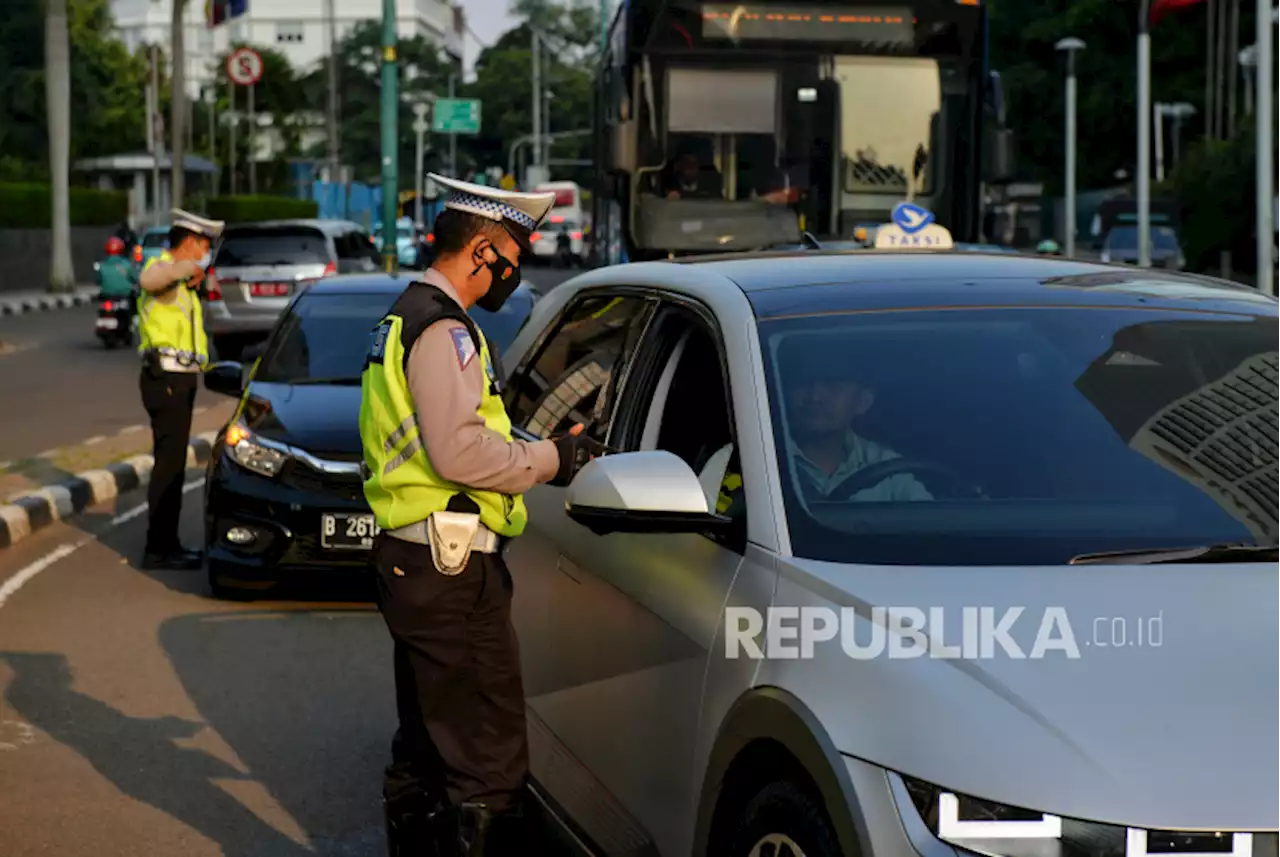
x: 304, y: 695
x: 140, y: 756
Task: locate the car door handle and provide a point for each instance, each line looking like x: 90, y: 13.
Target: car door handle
x: 571, y: 571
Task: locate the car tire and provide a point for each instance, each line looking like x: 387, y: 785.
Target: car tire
x: 783, y: 820
x: 223, y: 591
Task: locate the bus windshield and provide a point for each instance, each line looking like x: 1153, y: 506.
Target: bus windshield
x: 749, y: 124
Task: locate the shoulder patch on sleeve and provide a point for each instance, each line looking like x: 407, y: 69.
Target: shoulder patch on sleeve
x: 463, y: 346
x: 378, y: 342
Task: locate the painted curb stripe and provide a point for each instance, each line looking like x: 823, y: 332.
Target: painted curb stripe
x: 30, y: 512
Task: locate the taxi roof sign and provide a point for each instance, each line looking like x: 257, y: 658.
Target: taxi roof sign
x: 913, y: 228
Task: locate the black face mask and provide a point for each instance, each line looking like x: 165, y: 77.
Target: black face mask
x: 506, y: 277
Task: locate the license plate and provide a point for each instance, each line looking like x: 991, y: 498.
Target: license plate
x: 347, y: 532
x: 109, y: 323
x: 269, y: 290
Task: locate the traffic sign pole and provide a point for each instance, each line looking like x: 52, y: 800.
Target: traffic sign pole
x: 244, y: 68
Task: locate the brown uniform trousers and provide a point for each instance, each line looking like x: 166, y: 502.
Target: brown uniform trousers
x: 459, y: 693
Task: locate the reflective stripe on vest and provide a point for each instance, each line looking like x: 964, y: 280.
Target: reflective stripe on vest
x: 401, y: 486
x: 173, y: 329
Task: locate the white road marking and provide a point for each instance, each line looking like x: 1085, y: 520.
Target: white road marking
x: 48, y: 453
x: 13, y: 584
x: 97, y: 438
x: 132, y: 428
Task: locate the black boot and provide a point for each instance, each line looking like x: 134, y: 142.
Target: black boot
x: 474, y: 821
x: 417, y: 828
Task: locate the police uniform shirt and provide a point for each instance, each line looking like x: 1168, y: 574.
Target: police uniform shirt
x: 446, y: 378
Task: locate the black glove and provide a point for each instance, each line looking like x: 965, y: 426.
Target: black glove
x: 575, y: 451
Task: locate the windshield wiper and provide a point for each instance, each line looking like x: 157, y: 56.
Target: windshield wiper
x: 336, y: 381
x: 1203, y: 553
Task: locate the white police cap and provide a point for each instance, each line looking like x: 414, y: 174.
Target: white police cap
x: 519, y: 212
x: 203, y: 226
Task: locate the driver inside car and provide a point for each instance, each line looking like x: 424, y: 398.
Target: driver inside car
x: 824, y: 403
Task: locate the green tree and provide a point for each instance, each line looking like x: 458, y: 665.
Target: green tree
x: 423, y: 71
x: 1023, y: 34
x: 281, y: 95
x: 504, y: 84
x: 106, y: 87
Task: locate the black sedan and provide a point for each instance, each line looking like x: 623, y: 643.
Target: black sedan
x: 284, y: 493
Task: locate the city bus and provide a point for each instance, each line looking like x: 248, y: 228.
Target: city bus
x: 725, y: 126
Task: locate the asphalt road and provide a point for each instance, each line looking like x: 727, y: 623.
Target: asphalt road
x: 139, y: 716
x: 60, y: 386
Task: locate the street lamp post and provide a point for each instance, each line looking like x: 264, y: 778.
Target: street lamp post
x: 1144, y: 135
x: 420, y: 130
x: 1178, y: 112
x: 1070, y: 46
x: 1265, y: 163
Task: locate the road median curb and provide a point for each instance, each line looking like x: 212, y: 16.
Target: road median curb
x: 19, y: 304
x: 25, y: 514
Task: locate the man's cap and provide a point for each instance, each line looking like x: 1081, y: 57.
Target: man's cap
x: 210, y: 229
x: 519, y: 212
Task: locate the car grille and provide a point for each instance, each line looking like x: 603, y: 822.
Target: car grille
x: 1223, y: 437
x: 345, y: 486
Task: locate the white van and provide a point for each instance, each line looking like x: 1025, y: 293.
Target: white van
x: 567, y: 214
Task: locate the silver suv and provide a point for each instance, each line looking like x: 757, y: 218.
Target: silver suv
x: 260, y: 266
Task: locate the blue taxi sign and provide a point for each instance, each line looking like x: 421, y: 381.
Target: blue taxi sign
x: 913, y: 228
x: 910, y: 217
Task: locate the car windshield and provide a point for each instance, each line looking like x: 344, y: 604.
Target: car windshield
x: 273, y: 246
x: 1022, y: 436
x: 1126, y: 238
x: 155, y: 239
x: 323, y: 337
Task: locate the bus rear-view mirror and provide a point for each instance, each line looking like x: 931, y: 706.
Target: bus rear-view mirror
x: 998, y: 163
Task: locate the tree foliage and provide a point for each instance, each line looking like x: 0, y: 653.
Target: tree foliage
x: 106, y: 87
x: 1023, y: 34
x: 422, y: 70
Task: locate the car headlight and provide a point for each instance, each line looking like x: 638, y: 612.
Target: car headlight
x: 982, y: 827
x: 245, y: 449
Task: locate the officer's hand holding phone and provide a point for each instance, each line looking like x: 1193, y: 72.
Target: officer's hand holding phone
x: 575, y: 449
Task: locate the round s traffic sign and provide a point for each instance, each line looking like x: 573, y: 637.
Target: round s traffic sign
x: 244, y: 67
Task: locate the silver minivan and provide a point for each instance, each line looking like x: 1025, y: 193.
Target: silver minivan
x: 260, y: 266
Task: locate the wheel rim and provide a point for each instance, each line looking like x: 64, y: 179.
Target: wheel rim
x: 776, y: 845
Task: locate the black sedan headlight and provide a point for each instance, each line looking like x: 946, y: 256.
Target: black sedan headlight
x: 982, y: 827
x: 251, y: 453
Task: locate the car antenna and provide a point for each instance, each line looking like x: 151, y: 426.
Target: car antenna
x: 809, y: 242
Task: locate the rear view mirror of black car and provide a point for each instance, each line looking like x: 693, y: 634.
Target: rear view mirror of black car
x: 226, y: 377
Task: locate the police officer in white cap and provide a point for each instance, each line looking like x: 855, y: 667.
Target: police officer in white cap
x: 445, y: 479
x: 174, y: 350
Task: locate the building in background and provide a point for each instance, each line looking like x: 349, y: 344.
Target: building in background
x: 296, y: 28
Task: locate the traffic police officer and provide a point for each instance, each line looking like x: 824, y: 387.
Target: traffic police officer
x: 444, y: 478
x: 174, y: 349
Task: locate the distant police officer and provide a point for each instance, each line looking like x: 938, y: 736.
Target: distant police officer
x: 174, y: 349
x: 444, y: 478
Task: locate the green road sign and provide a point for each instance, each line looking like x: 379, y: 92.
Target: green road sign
x: 456, y: 116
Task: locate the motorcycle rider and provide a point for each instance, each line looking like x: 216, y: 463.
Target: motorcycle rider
x: 117, y: 276
x: 564, y: 246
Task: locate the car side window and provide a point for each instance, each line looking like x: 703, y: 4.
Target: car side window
x: 682, y: 405
x: 573, y: 375
x: 355, y: 250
